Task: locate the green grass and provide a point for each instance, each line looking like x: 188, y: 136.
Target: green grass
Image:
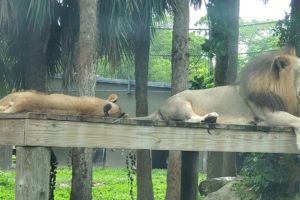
x: 7, y: 185
x: 108, y: 184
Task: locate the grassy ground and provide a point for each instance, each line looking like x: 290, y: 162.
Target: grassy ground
x: 108, y: 184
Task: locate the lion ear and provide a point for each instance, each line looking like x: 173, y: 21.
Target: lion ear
x: 280, y: 62
x: 113, y: 98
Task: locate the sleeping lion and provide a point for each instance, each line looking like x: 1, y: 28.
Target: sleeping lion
x: 32, y: 101
x: 267, y: 92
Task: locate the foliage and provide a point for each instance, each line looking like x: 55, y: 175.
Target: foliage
x: 119, y: 25
x: 5, y: 80
x: 269, y: 176
x: 160, y: 56
x: 282, y: 30
x: 218, y: 43
x: 202, y: 79
x: 160, y: 69
x: 124, y: 71
x: 256, y: 37
x: 18, y: 20
x: 109, y: 184
x: 200, y: 71
x: 288, y: 28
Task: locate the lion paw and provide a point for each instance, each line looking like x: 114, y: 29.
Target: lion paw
x: 211, y: 117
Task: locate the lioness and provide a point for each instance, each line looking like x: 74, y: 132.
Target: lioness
x: 32, y: 101
x: 267, y: 92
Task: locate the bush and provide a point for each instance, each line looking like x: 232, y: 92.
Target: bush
x: 269, y: 176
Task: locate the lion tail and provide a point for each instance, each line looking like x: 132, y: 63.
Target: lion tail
x: 156, y: 116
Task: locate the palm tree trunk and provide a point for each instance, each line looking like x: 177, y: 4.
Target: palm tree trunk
x: 34, y: 60
x: 227, y: 16
x: 180, y: 62
x: 141, y: 51
x: 229, y: 158
x: 86, y: 82
x: 295, y: 27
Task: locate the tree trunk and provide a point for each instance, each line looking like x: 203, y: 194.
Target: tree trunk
x: 229, y: 159
x: 144, y: 175
x: 34, y: 62
x: 233, y: 39
x: 174, y: 176
x: 86, y: 81
x: 226, y: 17
x: 226, y: 32
x: 141, y: 51
x: 81, y: 174
x: 189, y: 175
x: 180, y: 61
x: 295, y: 27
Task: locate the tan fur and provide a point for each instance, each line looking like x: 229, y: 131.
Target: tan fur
x: 31, y: 101
x: 258, y: 77
x: 267, y: 92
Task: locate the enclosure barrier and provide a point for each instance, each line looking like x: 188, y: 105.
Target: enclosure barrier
x: 33, y: 133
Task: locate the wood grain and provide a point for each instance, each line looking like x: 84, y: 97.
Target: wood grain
x: 126, y: 136
x: 12, y: 131
x: 32, y: 173
x: 38, y: 129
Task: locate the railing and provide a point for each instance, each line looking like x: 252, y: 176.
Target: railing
x: 32, y: 132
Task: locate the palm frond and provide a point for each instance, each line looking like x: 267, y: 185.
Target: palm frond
x: 69, y: 20
x: 54, y: 50
x: 6, y: 64
x: 4, y: 80
x: 114, y: 24
x: 39, y: 13
x: 33, y: 16
x: 120, y: 23
x: 8, y: 16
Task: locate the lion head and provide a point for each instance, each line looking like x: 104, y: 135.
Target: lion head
x: 272, y: 80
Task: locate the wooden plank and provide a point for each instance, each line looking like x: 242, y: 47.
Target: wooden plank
x: 12, y: 131
x: 31, y: 115
x: 32, y: 173
x: 125, y: 136
x: 14, y: 115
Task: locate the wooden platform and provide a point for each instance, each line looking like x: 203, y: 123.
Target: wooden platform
x: 31, y: 129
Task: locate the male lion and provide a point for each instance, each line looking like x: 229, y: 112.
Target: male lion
x: 267, y: 92
x: 32, y: 101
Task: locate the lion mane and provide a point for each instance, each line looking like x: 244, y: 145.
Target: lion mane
x: 264, y: 82
x: 33, y: 101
